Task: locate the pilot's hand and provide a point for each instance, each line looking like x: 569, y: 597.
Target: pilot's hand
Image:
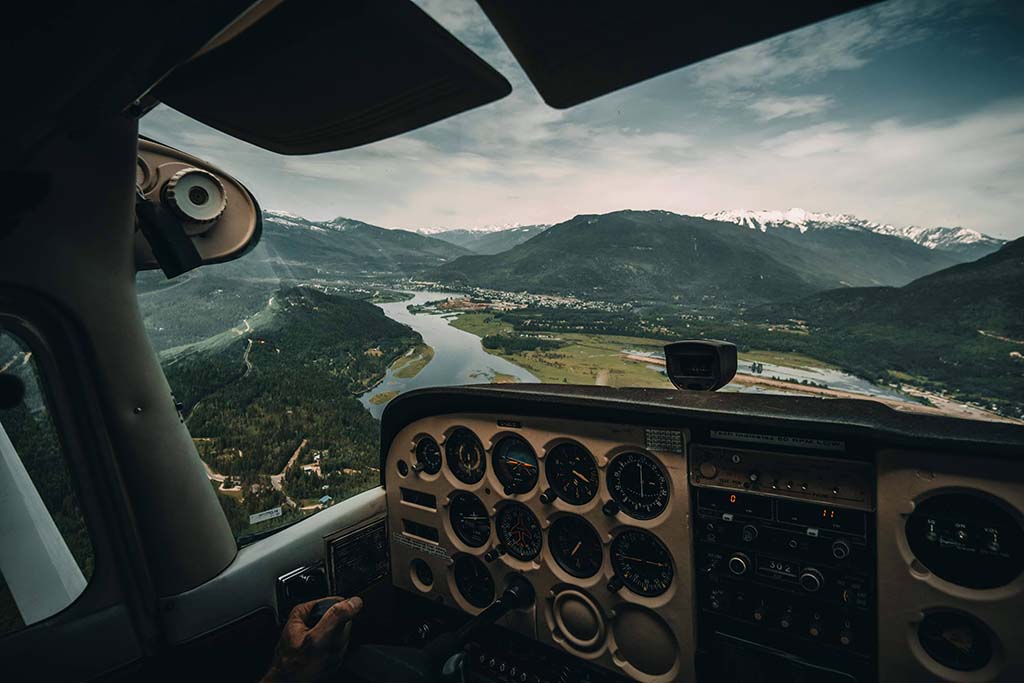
x: 305, y: 655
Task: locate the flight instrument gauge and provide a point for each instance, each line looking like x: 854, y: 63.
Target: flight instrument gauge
x: 515, y: 465
x: 642, y: 562
x: 473, y: 580
x: 519, y: 531
x: 428, y: 455
x: 572, y: 473
x: 465, y: 454
x: 576, y: 546
x: 637, y: 483
x: 469, y: 519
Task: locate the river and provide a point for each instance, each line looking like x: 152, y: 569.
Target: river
x: 459, y: 358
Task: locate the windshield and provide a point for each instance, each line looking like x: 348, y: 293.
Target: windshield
x: 840, y: 202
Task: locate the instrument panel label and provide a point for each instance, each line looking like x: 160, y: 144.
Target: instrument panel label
x: 420, y: 546
x: 668, y: 440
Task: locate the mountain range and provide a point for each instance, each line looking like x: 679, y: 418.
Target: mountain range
x: 724, y: 257
x: 663, y: 256
x: 343, y: 247
x: 488, y: 241
x: 970, y: 243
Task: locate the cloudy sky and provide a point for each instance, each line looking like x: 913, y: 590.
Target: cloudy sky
x: 910, y: 112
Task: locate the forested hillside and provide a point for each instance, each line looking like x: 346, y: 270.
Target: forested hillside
x: 292, y: 383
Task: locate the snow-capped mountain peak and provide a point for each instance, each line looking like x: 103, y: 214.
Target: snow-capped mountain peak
x: 947, y: 239
x: 434, y: 230
x: 942, y: 238
x: 799, y: 219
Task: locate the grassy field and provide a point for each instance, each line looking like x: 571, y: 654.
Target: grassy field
x: 383, y: 397
x: 790, y: 360
x: 481, y: 324
x: 600, y: 359
x: 583, y: 358
x: 593, y: 359
x: 412, y: 363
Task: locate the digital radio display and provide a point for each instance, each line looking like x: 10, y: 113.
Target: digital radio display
x: 736, y: 503
x: 822, y: 517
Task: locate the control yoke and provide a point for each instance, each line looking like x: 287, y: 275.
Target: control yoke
x: 442, y: 660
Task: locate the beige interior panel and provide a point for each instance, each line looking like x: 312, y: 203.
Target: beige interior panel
x: 657, y: 633
x: 907, y: 590
x: 223, y: 239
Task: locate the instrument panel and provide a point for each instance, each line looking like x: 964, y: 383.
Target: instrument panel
x: 664, y: 555
x: 588, y: 513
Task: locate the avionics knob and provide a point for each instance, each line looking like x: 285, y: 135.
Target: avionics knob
x: 549, y: 496
x: 840, y: 550
x: 494, y: 553
x: 611, y: 508
x: 811, y: 580
x: 845, y: 637
x: 195, y: 195
x: 708, y: 469
x: 739, y: 564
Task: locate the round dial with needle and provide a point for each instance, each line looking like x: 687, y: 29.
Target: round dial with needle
x: 515, y: 465
x: 638, y: 485
x: 428, y: 455
x: 465, y: 456
x: 469, y: 519
x: 473, y: 580
x: 576, y: 546
x: 642, y: 562
x: 518, y: 531
x: 572, y: 473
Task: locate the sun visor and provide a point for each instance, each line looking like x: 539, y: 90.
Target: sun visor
x: 574, y: 52
x: 314, y: 77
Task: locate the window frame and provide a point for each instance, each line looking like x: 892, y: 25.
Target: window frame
x: 118, y: 592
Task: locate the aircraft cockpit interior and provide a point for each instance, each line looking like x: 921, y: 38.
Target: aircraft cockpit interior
x: 539, y: 405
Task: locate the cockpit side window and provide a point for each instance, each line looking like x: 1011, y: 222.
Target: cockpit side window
x: 46, y: 554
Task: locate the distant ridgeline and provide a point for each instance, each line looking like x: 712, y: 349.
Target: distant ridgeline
x: 659, y: 256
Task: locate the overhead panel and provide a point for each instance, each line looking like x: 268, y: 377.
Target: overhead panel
x: 576, y: 51
x: 314, y: 77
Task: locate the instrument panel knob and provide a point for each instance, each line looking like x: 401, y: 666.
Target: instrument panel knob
x: 840, y: 550
x: 195, y: 195
x: 708, y: 469
x: 811, y: 580
x: 739, y: 564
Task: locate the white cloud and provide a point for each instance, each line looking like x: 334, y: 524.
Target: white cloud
x: 843, y: 43
x: 777, y: 107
